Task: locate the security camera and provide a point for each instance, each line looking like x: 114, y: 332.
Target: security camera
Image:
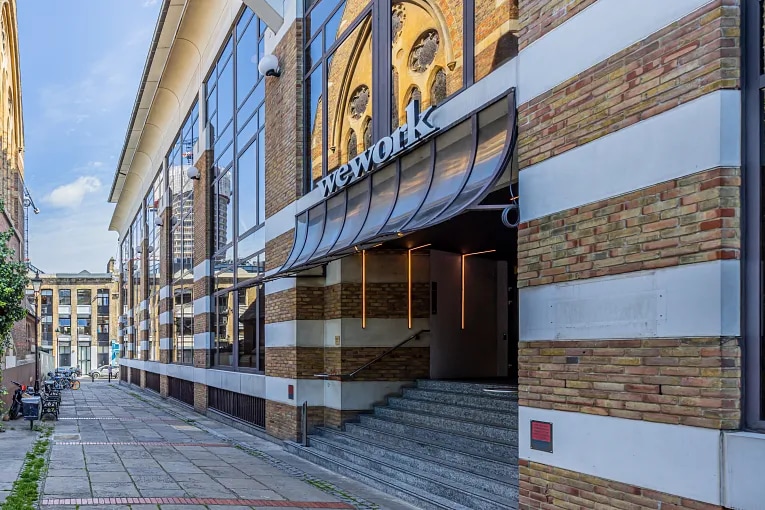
x: 192, y: 172
x: 158, y: 221
x: 269, y: 66
x: 36, y: 210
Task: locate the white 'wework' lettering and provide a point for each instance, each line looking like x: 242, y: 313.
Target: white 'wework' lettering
x: 417, y: 127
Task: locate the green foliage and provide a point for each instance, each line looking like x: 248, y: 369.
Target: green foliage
x: 25, y: 489
x: 13, y: 282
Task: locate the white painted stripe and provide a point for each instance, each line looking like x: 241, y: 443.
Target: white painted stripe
x: 678, y: 460
x: 164, y: 343
x: 203, y: 340
x: 583, y: 41
x: 202, y: 305
x: 130, y: 330
x: 145, y: 345
x: 743, y: 453
x: 306, y: 333
x: 166, y: 317
x: 129, y: 346
x: 280, y: 284
x: 143, y: 305
x: 130, y: 313
x: 695, y: 136
x: 378, y: 333
x: 693, y: 300
x: 144, y: 325
x: 359, y: 395
x: 164, y: 292
x: 281, y: 222
x: 202, y: 270
x: 306, y: 390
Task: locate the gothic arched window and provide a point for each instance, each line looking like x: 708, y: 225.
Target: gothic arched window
x: 353, y: 145
x: 438, y: 88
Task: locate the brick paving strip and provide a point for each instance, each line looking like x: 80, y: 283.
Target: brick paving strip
x: 140, y: 443
x: 199, y: 501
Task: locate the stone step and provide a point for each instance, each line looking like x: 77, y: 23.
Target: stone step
x: 403, y: 491
x: 482, y: 416
x: 465, y: 399
x: 482, y: 447
x: 460, y: 492
x: 444, y: 450
x: 444, y: 423
x: 467, y: 388
x: 503, y: 486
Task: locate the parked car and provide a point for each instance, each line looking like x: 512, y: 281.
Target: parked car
x: 103, y: 371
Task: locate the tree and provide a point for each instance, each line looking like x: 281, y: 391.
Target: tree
x: 13, y: 282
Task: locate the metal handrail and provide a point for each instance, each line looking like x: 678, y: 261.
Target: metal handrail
x: 351, y: 375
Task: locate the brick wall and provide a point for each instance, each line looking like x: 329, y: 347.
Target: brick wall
x: 200, y: 398
x: 294, y: 362
x: 538, y: 17
x: 546, y: 487
x: 406, y: 363
x: 283, y: 420
x: 695, y: 55
x: 284, y: 125
x: 688, y: 381
x: 683, y: 221
x: 278, y: 249
x: 297, y: 303
x: 385, y: 300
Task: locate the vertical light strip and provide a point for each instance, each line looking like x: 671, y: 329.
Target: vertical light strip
x: 363, y: 289
x: 462, y: 290
x: 409, y: 282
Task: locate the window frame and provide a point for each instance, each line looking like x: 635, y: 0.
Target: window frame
x: 752, y: 224
x: 84, y: 297
x: 380, y: 12
x: 68, y: 294
x: 185, y: 195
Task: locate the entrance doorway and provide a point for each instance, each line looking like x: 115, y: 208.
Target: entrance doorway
x: 474, y: 320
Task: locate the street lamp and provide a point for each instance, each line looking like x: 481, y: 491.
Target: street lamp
x: 36, y: 284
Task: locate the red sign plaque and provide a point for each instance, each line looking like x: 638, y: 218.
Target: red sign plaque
x: 542, y: 436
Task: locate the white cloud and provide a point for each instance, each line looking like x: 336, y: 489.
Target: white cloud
x: 149, y: 3
x: 70, y: 240
x: 71, y: 195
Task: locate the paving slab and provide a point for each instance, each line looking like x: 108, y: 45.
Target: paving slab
x: 118, y: 452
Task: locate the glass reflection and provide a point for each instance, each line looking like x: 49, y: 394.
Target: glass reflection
x: 247, y: 187
x: 349, y: 93
x: 251, y: 326
x: 224, y: 338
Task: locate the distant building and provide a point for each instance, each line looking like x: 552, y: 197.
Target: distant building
x: 78, y: 317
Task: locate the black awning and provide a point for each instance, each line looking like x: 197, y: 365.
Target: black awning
x: 441, y: 178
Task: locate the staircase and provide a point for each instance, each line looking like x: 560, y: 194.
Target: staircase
x: 439, y: 445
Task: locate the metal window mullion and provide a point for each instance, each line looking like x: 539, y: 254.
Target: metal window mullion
x: 324, y: 122
x: 468, y: 51
x: 751, y: 219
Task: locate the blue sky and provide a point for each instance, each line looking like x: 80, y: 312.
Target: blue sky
x: 81, y: 62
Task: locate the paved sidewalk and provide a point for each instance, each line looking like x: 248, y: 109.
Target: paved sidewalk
x: 15, y: 442
x: 117, y: 447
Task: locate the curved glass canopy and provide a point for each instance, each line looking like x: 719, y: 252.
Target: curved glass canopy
x: 441, y: 178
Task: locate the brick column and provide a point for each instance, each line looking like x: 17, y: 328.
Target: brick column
x: 203, y: 227
x: 284, y: 185
x: 165, y: 275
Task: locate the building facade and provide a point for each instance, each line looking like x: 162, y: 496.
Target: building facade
x: 78, y: 317
x: 12, y: 189
x: 562, y: 195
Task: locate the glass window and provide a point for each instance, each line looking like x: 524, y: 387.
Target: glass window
x: 251, y: 327
x: 102, y: 297
x: 83, y: 296
x: 46, y: 299
x: 65, y: 324
x: 83, y: 325
x: 64, y: 297
x: 349, y: 93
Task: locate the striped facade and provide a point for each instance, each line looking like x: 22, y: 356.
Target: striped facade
x: 628, y: 255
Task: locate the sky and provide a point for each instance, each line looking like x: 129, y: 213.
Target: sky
x: 81, y: 63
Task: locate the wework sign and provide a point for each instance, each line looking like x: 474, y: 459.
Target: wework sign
x: 417, y: 127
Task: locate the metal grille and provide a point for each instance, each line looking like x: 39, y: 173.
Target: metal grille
x: 182, y: 390
x: 152, y: 381
x: 243, y: 407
